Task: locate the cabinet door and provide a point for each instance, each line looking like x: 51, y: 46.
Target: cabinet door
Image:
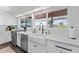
x: 5, y: 37
x: 53, y: 51
x: 57, y: 50
x: 63, y: 47
x: 38, y: 40
x: 36, y: 48
x: 54, y: 47
x: 24, y: 42
x: 18, y: 39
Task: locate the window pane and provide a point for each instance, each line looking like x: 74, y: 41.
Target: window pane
x: 39, y: 22
x: 61, y: 23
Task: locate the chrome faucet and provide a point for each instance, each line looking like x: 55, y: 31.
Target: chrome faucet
x: 41, y: 27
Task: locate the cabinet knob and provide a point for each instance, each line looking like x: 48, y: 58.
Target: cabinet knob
x: 61, y: 52
x: 35, y: 45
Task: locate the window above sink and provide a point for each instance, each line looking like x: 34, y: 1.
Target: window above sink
x: 58, y: 22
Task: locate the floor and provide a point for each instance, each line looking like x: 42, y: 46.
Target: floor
x: 10, y: 48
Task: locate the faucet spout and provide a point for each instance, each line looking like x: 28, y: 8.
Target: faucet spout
x: 42, y: 29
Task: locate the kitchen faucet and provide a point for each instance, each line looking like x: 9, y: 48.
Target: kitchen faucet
x: 42, y: 28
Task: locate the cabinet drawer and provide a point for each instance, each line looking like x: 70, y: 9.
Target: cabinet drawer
x: 62, y: 46
x: 58, y: 51
x: 38, y: 40
x: 36, y: 48
x: 53, y: 50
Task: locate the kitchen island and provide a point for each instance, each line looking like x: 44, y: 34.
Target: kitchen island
x: 41, y: 43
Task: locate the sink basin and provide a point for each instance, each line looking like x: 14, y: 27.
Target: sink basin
x: 39, y: 34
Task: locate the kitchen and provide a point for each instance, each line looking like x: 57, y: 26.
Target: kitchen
x: 39, y: 29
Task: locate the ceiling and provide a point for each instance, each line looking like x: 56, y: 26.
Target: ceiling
x: 22, y: 10
x: 16, y: 10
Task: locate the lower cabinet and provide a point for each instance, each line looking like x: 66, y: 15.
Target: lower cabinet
x: 18, y: 39
x: 33, y: 44
x: 5, y: 37
x: 34, y: 47
x: 57, y: 47
x: 57, y: 51
x: 53, y: 50
x: 51, y: 47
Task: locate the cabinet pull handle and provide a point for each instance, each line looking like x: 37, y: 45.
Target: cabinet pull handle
x: 63, y: 48
x: 61, y: 52
x: 35, y: 45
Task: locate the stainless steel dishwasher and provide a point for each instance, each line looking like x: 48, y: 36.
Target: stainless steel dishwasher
x: 24, y: 42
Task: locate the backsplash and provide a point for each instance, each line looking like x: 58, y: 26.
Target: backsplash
x: 2, y: 28
x: 77, y: 32
x: 60, y: 32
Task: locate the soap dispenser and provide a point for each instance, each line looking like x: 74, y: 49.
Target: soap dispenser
x: 72, y: 33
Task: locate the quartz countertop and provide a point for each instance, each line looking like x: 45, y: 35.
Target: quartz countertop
x: 63, y: 39
x: 54, y: 38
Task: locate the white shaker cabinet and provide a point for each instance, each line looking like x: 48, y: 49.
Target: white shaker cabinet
x: 58, y: 47
x: 53, y: 50
x: 35, y: 47
x: 41, y: 45
x: 51, y: 47
x: 5, y: 37
x: 19, y: 39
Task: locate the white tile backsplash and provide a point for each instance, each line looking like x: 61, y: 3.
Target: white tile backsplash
x: 2, y: 28
x: 77, y: 32
x: 60, y: 32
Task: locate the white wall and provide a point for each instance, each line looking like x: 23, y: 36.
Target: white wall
x: 2, y: 29
x: 73, y: 15
x: 7, y: 19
